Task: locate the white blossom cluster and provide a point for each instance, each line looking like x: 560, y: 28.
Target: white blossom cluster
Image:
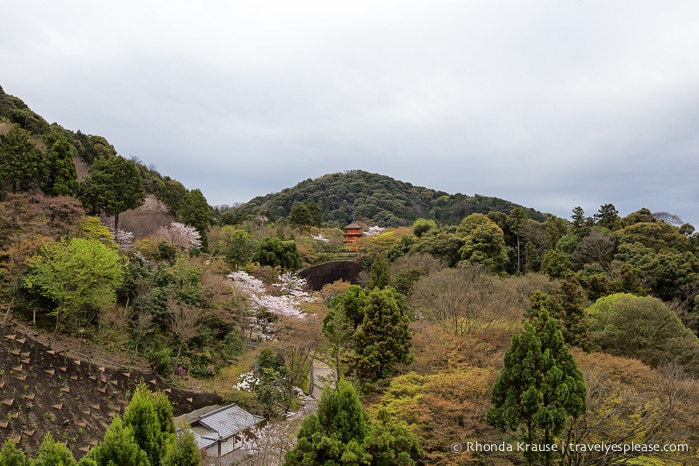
x: 373, y: 231
x: 247, y: 383
x: 284, y: 305
x: 320, y: 237
x: 124, y: 239
x: 181, y: 235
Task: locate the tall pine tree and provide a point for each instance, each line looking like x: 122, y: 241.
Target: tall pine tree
x: 383, y: 339
x: 539, y: 387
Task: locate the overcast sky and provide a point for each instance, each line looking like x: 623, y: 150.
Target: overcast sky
x: 547, y: 103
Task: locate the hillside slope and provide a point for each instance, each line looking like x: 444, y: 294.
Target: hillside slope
x: 72, y: 395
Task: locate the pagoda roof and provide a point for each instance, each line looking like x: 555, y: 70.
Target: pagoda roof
x: 353, y: 226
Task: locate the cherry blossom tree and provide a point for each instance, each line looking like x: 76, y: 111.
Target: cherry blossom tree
x: 183, y: 236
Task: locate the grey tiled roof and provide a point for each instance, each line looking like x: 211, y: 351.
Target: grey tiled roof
x: 229, y: 420
x: 204, y: 438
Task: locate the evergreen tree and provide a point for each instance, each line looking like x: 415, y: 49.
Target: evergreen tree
x: 392, y: 444
x: 142, y: 416
x: 277, y: 253
x: 62, y: 178
x: 10, y: 455
x: 383, y: 340
x: 608, y: 217
x: 538, y: 388
x: 422, y: 226
x: 114, y: 186
x: 351, y: 304
x: 52, y: 453
x: 194, y: 210
x: 380, y: 275
x: 300, y: 216
x: 338, y: 330
x: 578, y: 218
x: 22, y: 165
x: 316, y: 214
x: 571, y: 297
x: 183, y: 452
x: 340, y: 433
x: 484, y: 243
x: 119, y: 447
x: 335, y: 434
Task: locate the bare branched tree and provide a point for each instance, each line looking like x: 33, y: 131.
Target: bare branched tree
x: 459, y: 300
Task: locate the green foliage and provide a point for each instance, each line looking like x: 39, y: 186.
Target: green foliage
x: 443, y: 246
x: 555, y: 263
x: 539, y: 386
x: 338, y: 330
x: 79, y: 275
x: 183, y: 452
x: 643, y: 328
x: 277, y: 253
x: 392, y: 445
x: 380, y: 275
x: 664, y: 271
x: 351, y: 304
x: 300, y: 216
x: 383, y: 339
x: 144, y: 417
x: 272, y: 377
x: 10, y: 455
x: 113, y: 186
x: 171, y: 192
x: 340, y: 433
x: 578, y: 218
x: 240, y: 248
x: 119, y: 447
x: 194, y: 210
x: 62, y: 178
x: 18, y: 112
x: 22, y: 166
x: 422, y: 226
x: 608, y: 217
x: 484, y: 243
x: 53, y: 453
x: 334, y: 433
x: 377, y: 200
x: 90, y: 147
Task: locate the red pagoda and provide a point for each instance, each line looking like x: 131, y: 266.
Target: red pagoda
x: 354, y: 231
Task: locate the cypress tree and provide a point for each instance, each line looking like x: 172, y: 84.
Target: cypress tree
x: 539, y: 387
x: 380, y: 275
x: 143, y: 417
x: 119, y: 447
x: 10, y: 455
x: 384, y: 338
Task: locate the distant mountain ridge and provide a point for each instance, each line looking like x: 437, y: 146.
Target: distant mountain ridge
x: 379, y: 200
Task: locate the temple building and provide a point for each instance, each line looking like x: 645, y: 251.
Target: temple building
x: 354, y: 232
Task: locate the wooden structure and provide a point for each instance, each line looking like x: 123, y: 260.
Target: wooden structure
x: 353, y: 233
x: 220, y: 432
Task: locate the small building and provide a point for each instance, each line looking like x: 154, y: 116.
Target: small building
x: 354, y: 232
x: 221, y: 431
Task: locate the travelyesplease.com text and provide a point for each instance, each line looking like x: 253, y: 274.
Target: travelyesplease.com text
x: 632, y: 448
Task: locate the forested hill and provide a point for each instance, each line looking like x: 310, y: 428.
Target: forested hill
x: 379, y: 200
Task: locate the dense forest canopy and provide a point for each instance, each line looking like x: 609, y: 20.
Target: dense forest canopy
x: 378, y: 200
